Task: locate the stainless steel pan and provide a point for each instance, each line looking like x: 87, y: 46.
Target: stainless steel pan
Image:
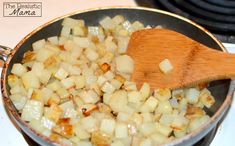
x: 219, y: 89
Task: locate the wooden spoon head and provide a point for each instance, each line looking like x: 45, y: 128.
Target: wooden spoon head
x: 151, y: 46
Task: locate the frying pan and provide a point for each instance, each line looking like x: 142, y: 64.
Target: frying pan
x: 221, y: 90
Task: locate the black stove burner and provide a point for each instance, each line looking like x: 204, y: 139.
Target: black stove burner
x: 218, y: 16
x: 205, y: 141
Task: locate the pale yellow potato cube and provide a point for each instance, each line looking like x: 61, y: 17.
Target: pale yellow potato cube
x: 149, y: 105
x: 107, y: 126
x: 124, y: 64
x: 165, y: 130
x: 146, y: 142
x: 18, y: 100
x: 118, y: 19
x: 65, y: 32
x: 121, y: 130
x: 165, y: 66
x: 192, y: 95
x: 162, y: 94
x: 107, y: 23
x: 108, y: 88
x: 164, y: 107
x: 30, y: 80
x: 118, y: 100
x: 53, y: 40
x: 68, y: 82
x: 148, y: 128
x: 145, y: 91
x: 78, y: 31
x: 18, y: 69
x: 32, y: 110
x: 90, y: 124
x: 61, y: 74
x: 80, y: 82
x: 39, y: 44
x: 134, y: 96
x: 158, y: 138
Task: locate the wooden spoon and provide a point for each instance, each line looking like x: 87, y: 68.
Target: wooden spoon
x: 193, y: 62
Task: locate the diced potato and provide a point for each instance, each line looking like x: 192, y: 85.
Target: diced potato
x: 43, y: 54
x: 61, y: 74
x: 84, y: 143
x: 118, y: 19
x: 149, y: 105
x: 101, y: 80
x: 178, y: 94
x: 118, y: 100
x: 148, y: 128
x: 18, y: 101
x: 68, y: 82
x: 198, y: 122
x: 89, y: 96
x: 117, y: 84
x: 80, y: 132
x: 134, y: 97
x: 107, y: 126
x: 38, y: 44
x: 164, y: 130
x: 18, y: 89
x: 82, y: 42
x: 206, y: 99
x: 123, y: 116
x: 127, y: 25
x: 137, y: 26
x: 158, y: 138
x: 89, y: 123
x: 117, y: 143
x: 54, y: 113
x: 13, y: 80
x: 164, y: 107
x: 65, y: 32
x: 70, y: 22
x: 166, y: 119
x: 194, y: 112
x: 66, y: 106
x: 53, y: 99
x: 91, y: 54
x: 45, y: 76
x: 124, y: 64
x: 55, y: 85
x: 121, y: 130
x: 145, y: 91
x: 107, y: 23
x: 32, y: 110
x: 130, y: 86
x: 192, y: 95
x: 100, y: 139
x: 147, y: 117
x: 80, y: 82
x: 122, y: 44
x: 38, y: 68
x: 64, y: 128
x: 54, y: 40
x: 18, y: 69
x: 146, y: 142
x: 30, y: 80
x: 63, y: 93
x: 162, y: 94
x: 165, y: 66
x: 108, y: 88
x: 78, y: 31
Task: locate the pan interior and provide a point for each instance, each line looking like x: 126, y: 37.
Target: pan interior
x: 219, y: 89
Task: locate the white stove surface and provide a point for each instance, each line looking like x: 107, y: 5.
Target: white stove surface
x: 13, y: 29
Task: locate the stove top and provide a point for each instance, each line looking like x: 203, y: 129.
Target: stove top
x: 218, y: 16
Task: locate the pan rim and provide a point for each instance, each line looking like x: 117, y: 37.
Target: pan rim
x: 16, y: 116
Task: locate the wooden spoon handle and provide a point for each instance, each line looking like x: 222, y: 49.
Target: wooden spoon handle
x: 205, y: 64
